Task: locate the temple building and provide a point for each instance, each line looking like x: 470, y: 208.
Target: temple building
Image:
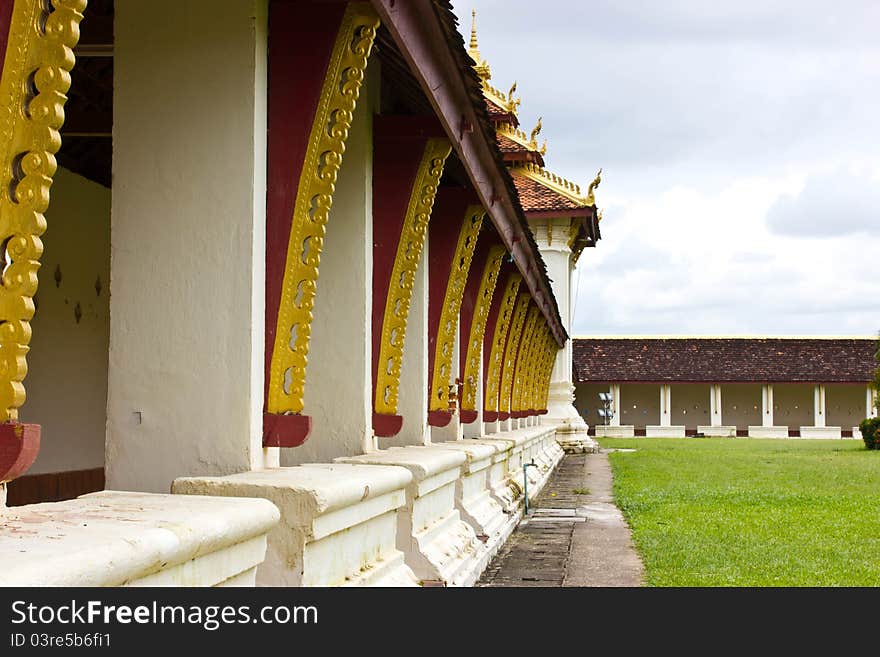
x: 760, y: 387
x: 298, y: 310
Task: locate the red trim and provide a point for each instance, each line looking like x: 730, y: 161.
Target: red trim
x: 466, y: 417
x: 386, y: 426
x: 301, y: 39
x: 439, y: 418
x: 543, y: 411
x: 490, y: 416
x: 575, y: 213
x: 19, y: 446
x: 421, y: 36
x: 5, y: 23
x: 285, y: 430
x: 503, y: 416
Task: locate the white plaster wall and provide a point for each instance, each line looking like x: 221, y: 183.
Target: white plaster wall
x: 845, y: 405
x: 188, y: 241
x: 690, y: 405
x: 338, y: 388
x: 741, y: 405
x: 67, y: 364
x: 586, y: 401
x: 413, y: 397
x: 793, y: 405
x: 640, y: 404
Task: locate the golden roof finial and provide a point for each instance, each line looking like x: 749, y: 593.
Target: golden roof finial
x: 512, y: 91
x: 599, y: 216
x: 536, y: 130
x: 480, y: 65
x: 591, y: 199
x: 473, y: 29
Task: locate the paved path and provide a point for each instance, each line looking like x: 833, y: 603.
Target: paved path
x: 574, y: 535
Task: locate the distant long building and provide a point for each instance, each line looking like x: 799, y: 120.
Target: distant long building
x: 763, y: 387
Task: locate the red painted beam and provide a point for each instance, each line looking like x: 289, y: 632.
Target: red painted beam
x: 419, y: 33
x: 19, y: 446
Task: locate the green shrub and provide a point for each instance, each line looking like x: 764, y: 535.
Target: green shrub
x: 871, y: 432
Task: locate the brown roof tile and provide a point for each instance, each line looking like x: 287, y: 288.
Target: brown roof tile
x: 724, y: 360
x: 535, y: 197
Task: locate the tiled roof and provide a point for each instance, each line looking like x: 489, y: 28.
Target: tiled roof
x: 536, y: 197
x: 721, y: 360
x: 507, y: 145
x: 497, y: 113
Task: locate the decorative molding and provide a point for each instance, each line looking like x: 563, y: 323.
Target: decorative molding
x: 409, y: 250
x: 518, y: 136
x: 471, y: 379
x: 552, y: 350
x: 527, y: 403
x: 510, y: 352
x: 591, y: 190
x: 522, y: 360
x: 458, y: 274
x: 550, y: 180
x: 36, y: 76
x: 329, y: 132
x: 537, y: 376
x: 499, y: 340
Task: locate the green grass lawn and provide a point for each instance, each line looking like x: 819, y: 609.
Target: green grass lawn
x: 740, y: 512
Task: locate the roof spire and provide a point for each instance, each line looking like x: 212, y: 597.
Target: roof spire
x: 473, y: 29
x: 591, y: 199
x: 482, y: 66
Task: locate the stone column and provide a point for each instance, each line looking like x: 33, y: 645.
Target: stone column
x: 715, y: 405
x: 551, y: 235
x: 819, y: 406
x: 665, y: 405
x: 187, y: 290
x: 767, y: 406
x: 616, y: 404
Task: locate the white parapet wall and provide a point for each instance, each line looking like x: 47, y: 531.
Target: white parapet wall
x: 768, y: 432
x: 717, y: 431
x: 135, y: 539
x: 857, y: 433
x: 622, y: 431
x: 338, y: 522
x: 438, y: 544
x: 658, y: 431
x: 820, y: 432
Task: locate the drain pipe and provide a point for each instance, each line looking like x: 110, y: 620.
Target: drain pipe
x: 526, y: 466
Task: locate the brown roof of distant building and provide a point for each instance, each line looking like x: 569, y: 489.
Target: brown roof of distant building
x: 724, y: 360
x: 536, y: 197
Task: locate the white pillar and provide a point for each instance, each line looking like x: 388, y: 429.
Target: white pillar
x: 715, y: 405
x: 665, y: 405
x: 616, y: 404
x: 767, y: 406
x: 870, y: 401
x: 551, y: 236
x: 187, y: 285
x: 819, y: 406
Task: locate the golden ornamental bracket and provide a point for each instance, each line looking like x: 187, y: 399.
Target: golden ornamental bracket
x: 591, y: 196
x: 409, y: 250
x: 471, y: 380
x: 499, y: 340
x: 458, y: 275
x: 317, y: 182
x: 522, y: 360
x: 510, y: 352
x: 36, y: 77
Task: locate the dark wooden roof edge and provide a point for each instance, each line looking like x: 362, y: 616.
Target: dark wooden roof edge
x: 426, y: 32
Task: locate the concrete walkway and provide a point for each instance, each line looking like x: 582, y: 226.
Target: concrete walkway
x: 574, y: 535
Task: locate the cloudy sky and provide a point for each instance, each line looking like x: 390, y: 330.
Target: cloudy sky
x: 741, y: 151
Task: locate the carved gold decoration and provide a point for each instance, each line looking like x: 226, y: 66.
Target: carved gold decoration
x: 536, y: 130
x: 317, y: 182
x: 519, y: 137
x: 522, y: 360
x: 481, y: 66
x: 513, y: 342
x: 409, y: 250
x: 552, y: 350
x: 35, y: 79
x: 550, y: 180
x: 499, y: 338
x: 591, y: 197
x: 472, y: 381
x: 458, y: 274
x: 532, y: 366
